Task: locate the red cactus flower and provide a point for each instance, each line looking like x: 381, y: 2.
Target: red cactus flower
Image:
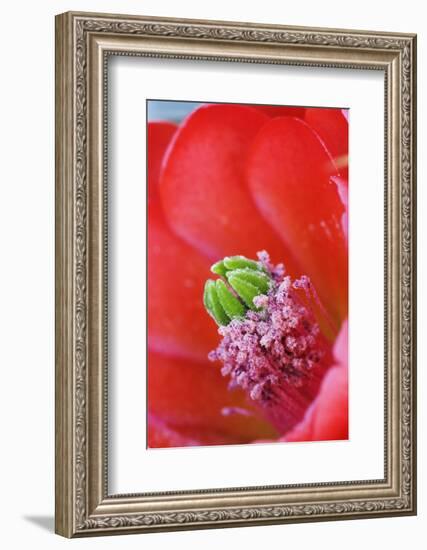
x: 232, y: 180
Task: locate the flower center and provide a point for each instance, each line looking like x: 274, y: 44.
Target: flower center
x: 272, y: 346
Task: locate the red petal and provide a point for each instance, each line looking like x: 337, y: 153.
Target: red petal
x: 159, y: 135
x: 340, y: 350
x: 190, y: 396
x: 161, y: 435
x: 177, y: 320
x: 203, y: 186
x: 342, y: 186
x: 332, y: 127
x: 289, y: 172
x: 327, y: 418
x: 277, y: 110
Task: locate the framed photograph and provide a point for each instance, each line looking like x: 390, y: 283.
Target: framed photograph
x: 235, y: 274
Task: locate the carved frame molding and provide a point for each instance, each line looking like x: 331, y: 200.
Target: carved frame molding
x: 83, y: 44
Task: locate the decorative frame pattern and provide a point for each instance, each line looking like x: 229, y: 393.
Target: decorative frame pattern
x: 83, y: 43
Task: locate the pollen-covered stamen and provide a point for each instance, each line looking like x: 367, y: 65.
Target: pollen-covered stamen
x: 275, y: 353
x: 313, y: 302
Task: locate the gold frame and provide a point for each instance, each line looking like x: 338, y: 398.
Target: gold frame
x: 83, y: 43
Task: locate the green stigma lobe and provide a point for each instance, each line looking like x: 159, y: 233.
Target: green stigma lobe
x: 213, y: 304
x: 232, y: 295
x: 245, y: 290
x: 232, y: 306
x: 256, y: 278
x: 219, y: 268
x: 240, y: 262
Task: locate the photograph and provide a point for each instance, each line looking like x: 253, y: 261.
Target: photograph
x: 247, y: 293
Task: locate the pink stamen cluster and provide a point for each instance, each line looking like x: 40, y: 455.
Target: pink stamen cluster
x: 275, y: 354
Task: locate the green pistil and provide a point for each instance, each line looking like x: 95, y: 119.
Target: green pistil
x: 231, y: 296
x: 233, y: 307
x: 213, y: 304
x: 259, y: 280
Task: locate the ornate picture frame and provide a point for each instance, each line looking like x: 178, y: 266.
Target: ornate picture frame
x: 84, y: 42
